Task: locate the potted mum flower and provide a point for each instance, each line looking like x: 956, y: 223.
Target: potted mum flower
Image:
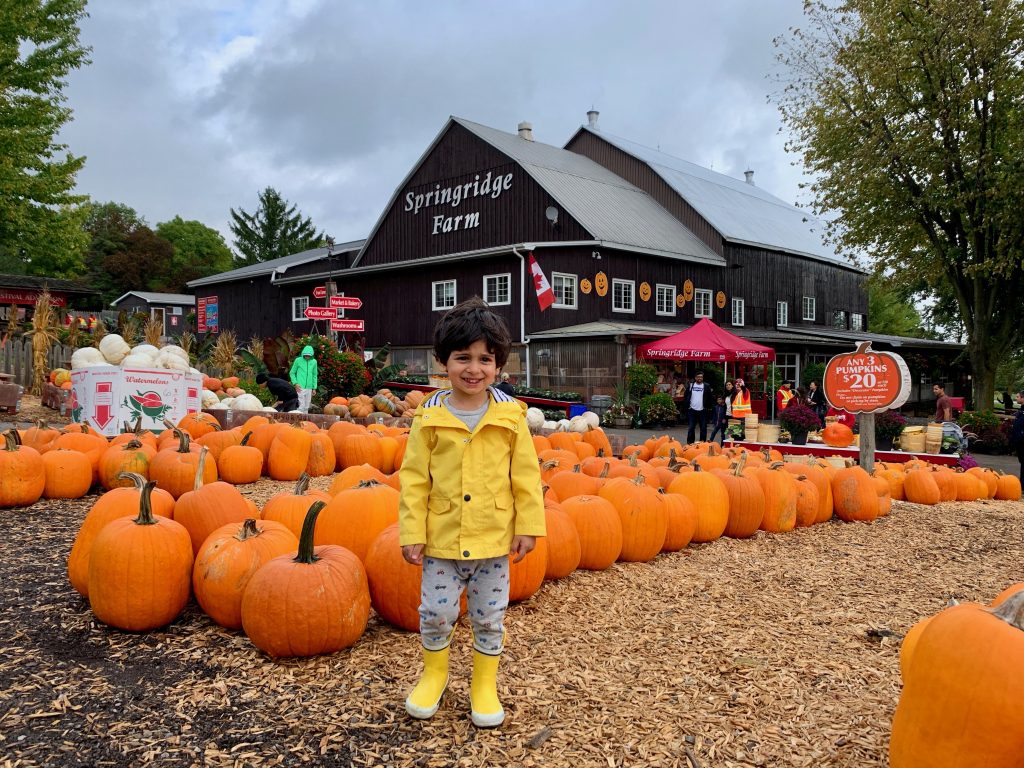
x: 798, y: 420
x: 888, y: 426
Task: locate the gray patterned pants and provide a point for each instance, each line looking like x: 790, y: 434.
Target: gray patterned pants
x: 486, y: 585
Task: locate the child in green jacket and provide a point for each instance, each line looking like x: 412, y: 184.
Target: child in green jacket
x: 304, y: 377
x: 471, y: 494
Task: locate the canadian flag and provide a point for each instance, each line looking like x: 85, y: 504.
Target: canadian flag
x: 545, y: 296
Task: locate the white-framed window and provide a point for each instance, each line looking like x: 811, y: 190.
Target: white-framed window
x: 809, y: 308
x: 299, y: 304
x: 787, y: 366
x: 623, y: 293
x: 839, y: 318
x: 701, y: 303
x: 564, y: 287
x: 782, y: 314
x: 175, y: 310
x: 443, y: 293
x: 738, y: 312
x: 498, y: 289
x: 665, y: 300
x: 856, y: 322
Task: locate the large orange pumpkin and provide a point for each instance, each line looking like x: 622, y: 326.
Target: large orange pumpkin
x: 22, y: 472
x: 837, y: 435
x: 746, y: 501
x: 315, y: 602
x: 854, y: 495
x: 208, y: 506
x: 355, y: 517
x: 682, y: 521
x: 600, y: 530
x: 644, y: 517
x: 564, y: 549
x: 709, y: 497
x: 174, y: 469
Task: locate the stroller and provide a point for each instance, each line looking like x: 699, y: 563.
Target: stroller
x: 955, y: 439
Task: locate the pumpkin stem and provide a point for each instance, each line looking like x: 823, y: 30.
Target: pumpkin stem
x: 248, y: 530
x: 200, y: 466
x: 577, y: 468
x: 139, y: 480
x: 305, y: 553
x: 146, y: 505
x: 303, y: 482
x: 132, y: 444
x: 1011, y: 610
x: 245, y: 440
x: 368, y: 483
x: 183, y: 440
x: 634, y: 460
x: 604, y: 470
x: 738, y: 471
x: 11, y: 440
x: 696, y: 466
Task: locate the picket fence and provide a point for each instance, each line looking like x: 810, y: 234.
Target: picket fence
x: 16, y: 359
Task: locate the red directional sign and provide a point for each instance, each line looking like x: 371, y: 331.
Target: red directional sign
x: 346, y: 302
x: 321, y: 313
x: 347, y: 325
x: 320, y: 292
x: 103, y: 403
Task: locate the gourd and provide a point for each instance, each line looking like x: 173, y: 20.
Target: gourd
x: 316, y: 602
x: 87, y: 357
x: 534, y: 419
x: 382, y: 403
x: 114, y: 348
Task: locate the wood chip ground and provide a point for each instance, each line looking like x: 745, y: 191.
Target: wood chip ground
x: 780, y: 650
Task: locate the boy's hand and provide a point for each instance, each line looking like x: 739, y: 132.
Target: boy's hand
x: 413, y: 553
x: 522, y: 546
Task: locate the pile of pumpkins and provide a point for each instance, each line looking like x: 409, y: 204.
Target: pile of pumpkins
x: 659, y: 497
x: 112, y: 349
x: 384, y: 401
x: 224, y: 393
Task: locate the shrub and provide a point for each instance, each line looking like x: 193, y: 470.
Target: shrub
x: 812, y: 372
x: 978, y: 421
x: 657, y: 407
x: 640, y: 379
x: 799, y: 418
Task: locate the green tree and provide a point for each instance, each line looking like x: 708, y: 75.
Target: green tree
x: 108, y: 227
x: 199, y: 251
x: 276, y: 229
x: 891, y: 313
x: 40, y: 218
x: 140, y: 263
x: 908, y: 113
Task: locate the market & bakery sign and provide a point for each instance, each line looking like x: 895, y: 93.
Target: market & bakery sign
x: 491, y: 185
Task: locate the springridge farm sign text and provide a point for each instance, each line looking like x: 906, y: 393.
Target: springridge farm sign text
x: 491, y: 185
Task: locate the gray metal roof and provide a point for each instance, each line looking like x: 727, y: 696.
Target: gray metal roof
x: 158, y: 298
x: 843, y: 336
x: 606, y: 205
x: 275, y: 265
x: 741, y: 212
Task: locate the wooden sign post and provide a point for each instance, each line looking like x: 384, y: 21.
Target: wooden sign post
x: 867, y: 382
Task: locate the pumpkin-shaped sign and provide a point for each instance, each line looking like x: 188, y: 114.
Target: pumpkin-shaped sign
x: 585, y: 286
x: 680, y: 300
x: 720, y: 299
x: 645, y: 291
x: 866, y: 381
x: 601, y: 283
x: 688, y: 290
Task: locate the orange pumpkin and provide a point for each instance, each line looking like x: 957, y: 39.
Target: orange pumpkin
x: 174, y: 469
x: 356, y: 516
x: 394, y: 583
x: 854, y: 495
x: 198, y: 423
x: 290, y: 507
x: 208, y: 506
x: 600, y: 530
x: 130, y: 457
x: 746, y: 501
x: 838, y: 435
x: 709, y: 497
x: 526, y: 576
x: 240, y: 464
x: 68, y: 474
x: 563, y: 543
x: 643, y: 515
x: 682, y: 521
x: 23, y: 473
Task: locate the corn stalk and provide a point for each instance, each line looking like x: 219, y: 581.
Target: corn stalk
x: 187, y: 341
x: 130, y: 331
x: 43, y: 332
x: 99, y: 331
x: 12, y: 321
x: 74, y: 332
x: 154, y: 332
x: 225, y: 352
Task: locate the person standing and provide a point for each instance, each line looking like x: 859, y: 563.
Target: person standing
x: 506, y: 386
x: 719, y: 419
x: 783, y: 396
x: 696, y: 401
x: 304, y: 376
x: 729, y: 392
x: 943, y: 405
x: 816, y: 400
x: 1017, y: 433
x: 471, y: 496
x: 741, y: 407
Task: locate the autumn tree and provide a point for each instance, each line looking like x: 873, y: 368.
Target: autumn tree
x: 40, y: 216
x: 275, y: 229
x: 199, y: 251
x: 908, y: 114
x: 108, y: 227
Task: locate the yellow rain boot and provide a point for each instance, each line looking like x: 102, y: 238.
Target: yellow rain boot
x: 483, y: 691
x: 425, y: 698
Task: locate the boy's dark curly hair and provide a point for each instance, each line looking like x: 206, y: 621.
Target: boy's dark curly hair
x: 468, y: 322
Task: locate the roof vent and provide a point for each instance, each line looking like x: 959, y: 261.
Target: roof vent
x: 526, y: 131
x: 592, y: 119
x: 749, y: 175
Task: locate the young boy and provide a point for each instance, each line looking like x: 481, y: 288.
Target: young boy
x: 471, y: 494
x: 719, y: 418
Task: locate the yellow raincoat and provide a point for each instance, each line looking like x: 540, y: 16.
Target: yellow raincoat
x: 465, y: 495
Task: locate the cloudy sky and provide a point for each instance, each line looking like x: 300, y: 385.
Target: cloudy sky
x: 191, y: 107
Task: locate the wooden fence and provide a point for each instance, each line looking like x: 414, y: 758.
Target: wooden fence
x: 16, y: 359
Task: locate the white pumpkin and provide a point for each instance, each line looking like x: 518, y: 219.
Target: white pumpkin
x: 592, y: 419
x: 218, y: 406
x: 114, y: 349
x: 171, y: 362
x: 86, y: 357
x: 208, y: 399
x: 138, y: 361
x: 271, y: 409
x: 562, y: 425
x: 145, y: 349
x: 227, y: 401
x: 246, y: 402
x: 534, y: 419
x: 550, y: 426
x: 174, y: 349
x: 578, y: 424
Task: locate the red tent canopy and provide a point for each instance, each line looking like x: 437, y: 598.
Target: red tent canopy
x: 706, y: 341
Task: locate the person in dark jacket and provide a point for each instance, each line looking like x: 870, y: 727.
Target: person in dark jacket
x: 287, y: 397
x: 1017, y: 433
x: 505, y: 386
x: 698, y: 400
x: 719, y: 419
x: 816, y: 400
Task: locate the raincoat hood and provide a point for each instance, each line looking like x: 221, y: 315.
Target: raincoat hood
x: 307, y: 350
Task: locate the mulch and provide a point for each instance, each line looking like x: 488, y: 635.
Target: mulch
x: 780, y: 650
